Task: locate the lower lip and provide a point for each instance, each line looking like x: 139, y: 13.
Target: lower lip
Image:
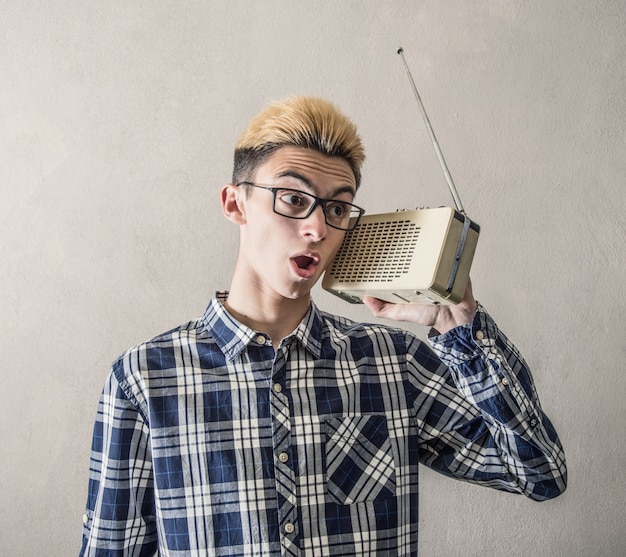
x: 304, y: 273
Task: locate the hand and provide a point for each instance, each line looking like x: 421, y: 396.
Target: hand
x: 439, y: 317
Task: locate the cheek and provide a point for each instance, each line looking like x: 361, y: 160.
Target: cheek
x: 270, y: 236
x: 336, y: 238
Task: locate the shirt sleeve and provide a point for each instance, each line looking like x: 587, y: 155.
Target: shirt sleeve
x: 119, y: 519
x: 483, y: 421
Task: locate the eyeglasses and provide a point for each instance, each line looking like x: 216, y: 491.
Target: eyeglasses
x: 296, y: 204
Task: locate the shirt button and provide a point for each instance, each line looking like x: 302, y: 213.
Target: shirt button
x: 289, y: 528
x: 480, y: 335
x: 261, y: 340
x: 505, y: 381
x: 277, y: 387
x: 283, y: 457
x: 85, y: 518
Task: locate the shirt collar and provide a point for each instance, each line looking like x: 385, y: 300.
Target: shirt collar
x: 233, y: 337
x: 309, y: 331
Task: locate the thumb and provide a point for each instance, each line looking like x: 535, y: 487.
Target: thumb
x: 374, y: 304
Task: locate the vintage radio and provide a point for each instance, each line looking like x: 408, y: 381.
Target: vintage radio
x: 421, y: 256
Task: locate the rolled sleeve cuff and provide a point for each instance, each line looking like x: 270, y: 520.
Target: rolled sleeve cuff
x: 467, y: 341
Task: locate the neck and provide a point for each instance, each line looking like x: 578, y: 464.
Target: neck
x: 266, y: 312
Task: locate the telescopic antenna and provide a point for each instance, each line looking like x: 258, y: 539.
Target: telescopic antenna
x: 433, y: 139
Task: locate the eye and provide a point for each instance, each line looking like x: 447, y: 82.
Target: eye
x: 337, y: 209
x: 293, y: 198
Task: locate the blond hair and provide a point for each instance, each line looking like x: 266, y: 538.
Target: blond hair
x: 298, y: 121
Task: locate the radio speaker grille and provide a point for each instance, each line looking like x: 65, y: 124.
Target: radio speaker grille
x: 384, y: 252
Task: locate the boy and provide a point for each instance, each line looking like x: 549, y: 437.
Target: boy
x: 268, y: 427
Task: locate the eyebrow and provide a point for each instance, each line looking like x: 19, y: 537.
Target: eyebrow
x: 310, y: 185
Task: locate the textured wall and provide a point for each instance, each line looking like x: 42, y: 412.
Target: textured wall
x: 117, y: 121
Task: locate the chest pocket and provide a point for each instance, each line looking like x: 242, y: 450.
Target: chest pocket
x: 359, y: 459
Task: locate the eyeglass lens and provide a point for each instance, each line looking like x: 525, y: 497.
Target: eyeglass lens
x: 297, y: 204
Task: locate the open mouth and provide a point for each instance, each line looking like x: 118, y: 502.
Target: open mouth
x: 305, y: 265
x: 304, y: 261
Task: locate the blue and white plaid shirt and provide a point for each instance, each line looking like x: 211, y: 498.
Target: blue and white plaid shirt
x: 207, y: 442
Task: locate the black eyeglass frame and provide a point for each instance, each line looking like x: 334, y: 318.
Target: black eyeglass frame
x: 352, y: 221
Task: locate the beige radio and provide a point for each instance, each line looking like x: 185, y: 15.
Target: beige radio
x: 422, y: 256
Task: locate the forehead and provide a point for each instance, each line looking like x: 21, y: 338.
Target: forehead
x: 315, y: 170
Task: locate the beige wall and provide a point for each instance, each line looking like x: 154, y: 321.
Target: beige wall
x: 117, y: 122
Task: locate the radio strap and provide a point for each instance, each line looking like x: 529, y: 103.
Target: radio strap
x: 459, y: 252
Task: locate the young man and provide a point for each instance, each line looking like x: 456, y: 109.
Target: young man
x: 268, y: 427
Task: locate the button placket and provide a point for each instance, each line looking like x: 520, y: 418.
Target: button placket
x: 281, y: 422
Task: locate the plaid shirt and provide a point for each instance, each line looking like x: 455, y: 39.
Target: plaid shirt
x: 207, y: 442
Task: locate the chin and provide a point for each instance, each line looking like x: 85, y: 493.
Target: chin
x: 298, y: 291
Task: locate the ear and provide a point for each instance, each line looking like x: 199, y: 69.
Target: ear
x: 233, y: 205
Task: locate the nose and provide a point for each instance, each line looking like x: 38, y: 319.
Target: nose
x: 314, y: 226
